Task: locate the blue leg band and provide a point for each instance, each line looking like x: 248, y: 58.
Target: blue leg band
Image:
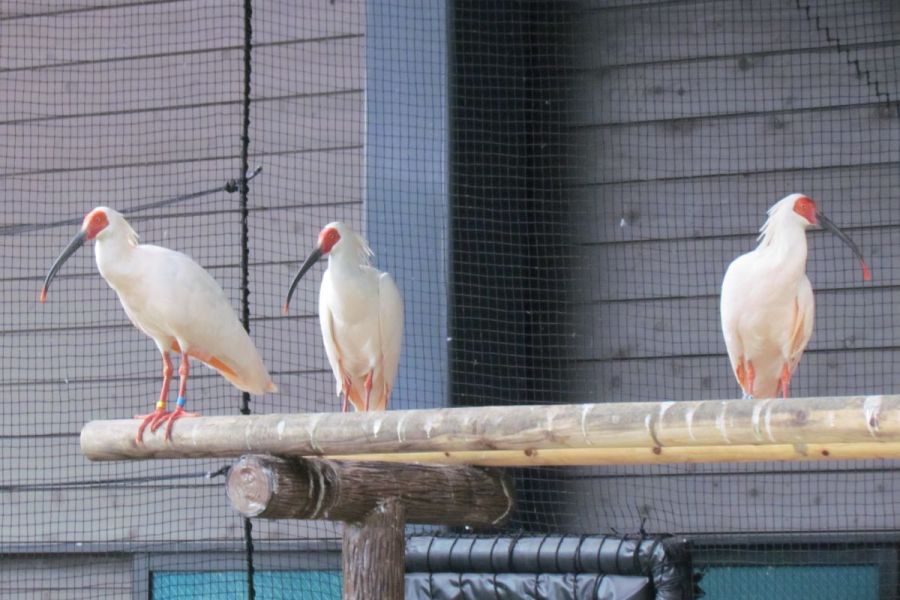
x: 179, y: 402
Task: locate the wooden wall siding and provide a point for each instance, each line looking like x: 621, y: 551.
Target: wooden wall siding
x: 68, y: 405
x: 66, y: 578
x: 635, y: 33
x: 32, y: 8
x: 692, y: 119
x: 122, y: 104
x: 794, y: 140
x: 129, y: 31
x: 176, y: 139
x: 654, y: 335
x: 815, y: 501
x: 709, y: 376
x: 633, y: 93
x: 189, y: 512
x: 619, y: 212
x: 694, y: 267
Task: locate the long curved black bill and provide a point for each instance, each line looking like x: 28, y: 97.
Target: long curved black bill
x: 312, y: 259
x: 828, y: 224
x: 74, y: 245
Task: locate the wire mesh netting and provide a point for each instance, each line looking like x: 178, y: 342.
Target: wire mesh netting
x: 556, y: 186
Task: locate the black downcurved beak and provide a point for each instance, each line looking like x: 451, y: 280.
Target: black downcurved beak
x: 76, y: 243
x: 312, y: 259
x: 828, y: 224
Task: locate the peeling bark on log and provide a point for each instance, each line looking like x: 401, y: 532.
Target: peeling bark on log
x: 273, y: 488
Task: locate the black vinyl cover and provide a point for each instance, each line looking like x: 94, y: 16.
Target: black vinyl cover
x: 663, y: 560
x: 514, y: 586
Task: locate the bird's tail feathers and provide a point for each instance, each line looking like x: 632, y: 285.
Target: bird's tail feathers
x: 243, y: 382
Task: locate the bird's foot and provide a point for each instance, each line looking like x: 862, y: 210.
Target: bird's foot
x: 154, y: 420
x: 176, y: 414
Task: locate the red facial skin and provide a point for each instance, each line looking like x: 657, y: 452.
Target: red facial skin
x: 95, y: 222
x: 328, y: 238
x: 806, y: 208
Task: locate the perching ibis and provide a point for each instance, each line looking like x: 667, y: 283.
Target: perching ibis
x: 361, y: 316
x: 767, y: 305
x: 176, y: 302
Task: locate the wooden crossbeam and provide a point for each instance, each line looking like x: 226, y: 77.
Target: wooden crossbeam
x: 829, y: 428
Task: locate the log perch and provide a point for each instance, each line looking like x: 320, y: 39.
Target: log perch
x: 828, y: 428
x: 274, y: 488
x: 375, y: 501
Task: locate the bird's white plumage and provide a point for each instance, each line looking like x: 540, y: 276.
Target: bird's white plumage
x: 171, y: 298
x: 391, y: 312
x: 361, y: 315
x: 767, y: 305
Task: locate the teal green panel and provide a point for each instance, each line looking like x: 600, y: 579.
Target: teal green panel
x: 270, y: 585
x: 840, y: 582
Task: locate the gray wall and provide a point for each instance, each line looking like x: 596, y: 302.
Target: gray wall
x: 693, y: 118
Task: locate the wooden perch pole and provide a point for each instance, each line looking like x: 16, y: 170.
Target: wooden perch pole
x: 611, y: 433
x: 375, y: 501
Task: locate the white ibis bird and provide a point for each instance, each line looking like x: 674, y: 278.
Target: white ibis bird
x: 174, y: 301
x: 767, y: 304
x: 361, y: 315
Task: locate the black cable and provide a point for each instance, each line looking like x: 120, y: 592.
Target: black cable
x: 245, y: 251
x: 251, y: 570
x: 90, y: 483
x: 245, y: 188
x: 229, y: 186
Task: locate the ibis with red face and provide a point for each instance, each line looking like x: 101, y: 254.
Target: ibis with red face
x: 176, y: 302
x: 361, y: 316
x: 767, y: 304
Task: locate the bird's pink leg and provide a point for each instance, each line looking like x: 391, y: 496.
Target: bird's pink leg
x: 741, y: 373
x: 785, y: 381
x: 183, y: 371
x: 346, y: 389
x: 751, y: 376
x: 368, y: 385
x: 345, y: 386
x: 156, y: 417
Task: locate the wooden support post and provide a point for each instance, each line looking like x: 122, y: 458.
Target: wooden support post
x: 274, y: 488
x: 375, y: 501
x: 373, y: 553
